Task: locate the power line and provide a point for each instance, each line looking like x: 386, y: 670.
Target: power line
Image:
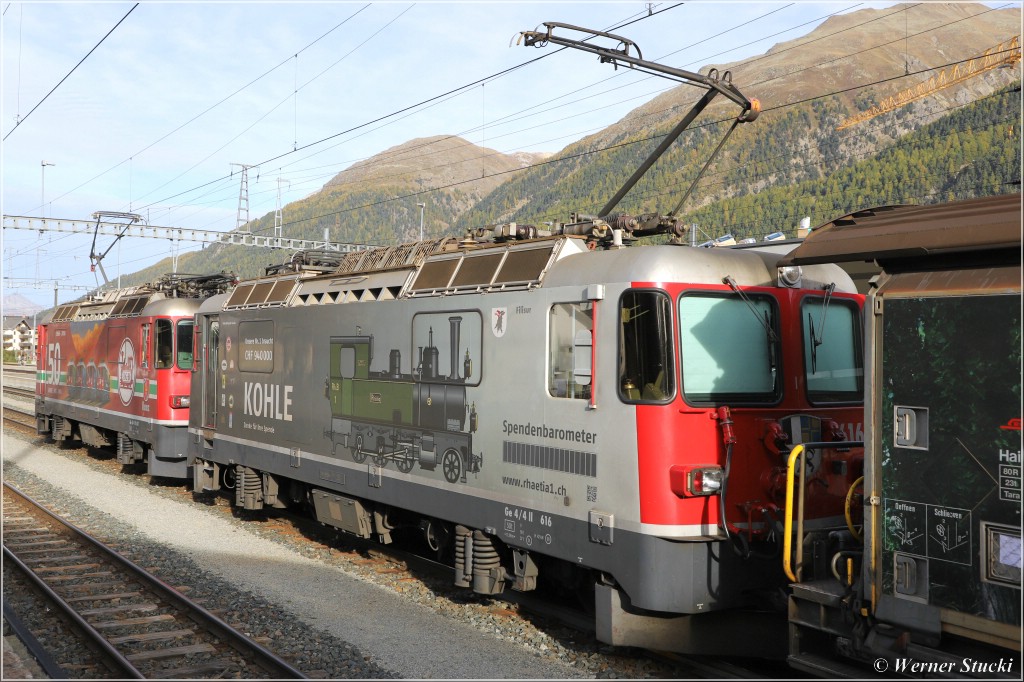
x: 619, y: 145
x: 463, y: 88
x: 210, y: 108
x: 22, y: 120
x: 452, y: 91
x: 900, y: 145
x: 422, y: 103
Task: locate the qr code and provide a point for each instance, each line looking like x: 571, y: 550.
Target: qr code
x: 591, y: 493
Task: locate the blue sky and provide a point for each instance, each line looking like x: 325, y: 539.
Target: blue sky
x: 153, y: 119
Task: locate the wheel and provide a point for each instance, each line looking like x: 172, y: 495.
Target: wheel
x: 228, y: 477
x: 404, y: 464
x: 358, y: 456
x: 437, y: 535
x: 451, y: 465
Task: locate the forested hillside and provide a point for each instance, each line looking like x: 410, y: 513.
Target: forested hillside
x: 803, y: 86
x: 792, y: 162
x: 974, y: 151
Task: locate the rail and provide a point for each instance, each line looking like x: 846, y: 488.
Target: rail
x: 38, y: 543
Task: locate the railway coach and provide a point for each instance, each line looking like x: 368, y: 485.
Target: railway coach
x: 612, y: 421
x: 114, y: 370
x: 934, y: 587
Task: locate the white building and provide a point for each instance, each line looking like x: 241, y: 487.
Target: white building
x: 20, y: 337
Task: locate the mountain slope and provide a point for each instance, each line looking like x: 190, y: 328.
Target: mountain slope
x: 796, y: 133
x: 792, y: 146
x: 375, y: 201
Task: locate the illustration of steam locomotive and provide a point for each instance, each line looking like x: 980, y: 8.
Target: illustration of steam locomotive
x: 422, y: 417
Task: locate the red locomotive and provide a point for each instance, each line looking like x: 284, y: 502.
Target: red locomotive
x: 114, y: 370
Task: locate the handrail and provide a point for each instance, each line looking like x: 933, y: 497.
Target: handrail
x: 787, y: 542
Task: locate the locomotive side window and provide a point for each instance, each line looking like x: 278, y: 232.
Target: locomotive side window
x: 729, y: 348
x: 164, y: 347
x: 832, y: 353
x: 185, y: 344
x: 343, y: 358
x: 565, y: 322
x: 144, y: 345
x: 646, y: 371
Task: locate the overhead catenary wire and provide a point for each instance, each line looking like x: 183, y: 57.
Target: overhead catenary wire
x: 502, y: 73
x: 214, y: 182
x: 753, y: 168
x: 418, y: 105
x: 632, y: 142
x: 780, y: 76
x: 211, y: 107
x: 336, y: 27
x: 492, y: 123
x: 618, y: 26
x: 180, y: 194
x: 38, y: 104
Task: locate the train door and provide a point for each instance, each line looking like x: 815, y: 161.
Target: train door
x: 210, y: 352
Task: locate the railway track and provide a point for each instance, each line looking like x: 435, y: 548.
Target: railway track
x: 19, y: 418
x: 136, y: 626
x: 19, y: 392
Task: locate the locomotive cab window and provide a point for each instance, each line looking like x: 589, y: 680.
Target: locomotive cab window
x: 730, y: 349
x: 646, y: 371
x: 164, y: 346
x: 184, y: 338
x: 832, y: 351
x: 570, y: 329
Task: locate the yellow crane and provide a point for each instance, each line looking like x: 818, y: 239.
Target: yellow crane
x: 1005, y: 53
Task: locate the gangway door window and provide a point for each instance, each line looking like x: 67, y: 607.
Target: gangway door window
x: 832, y: 350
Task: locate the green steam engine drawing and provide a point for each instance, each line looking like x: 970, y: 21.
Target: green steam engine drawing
x: 406, y: 418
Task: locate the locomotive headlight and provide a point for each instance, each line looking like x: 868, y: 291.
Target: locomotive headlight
x: 696, y: 481
x: 790, y: 276
x: 704, y: 481
x: 180, y: 401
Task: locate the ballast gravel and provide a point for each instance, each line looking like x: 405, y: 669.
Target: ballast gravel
x: 330, y: 618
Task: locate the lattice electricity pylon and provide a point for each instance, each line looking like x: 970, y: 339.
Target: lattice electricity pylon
x: 241, y: 224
